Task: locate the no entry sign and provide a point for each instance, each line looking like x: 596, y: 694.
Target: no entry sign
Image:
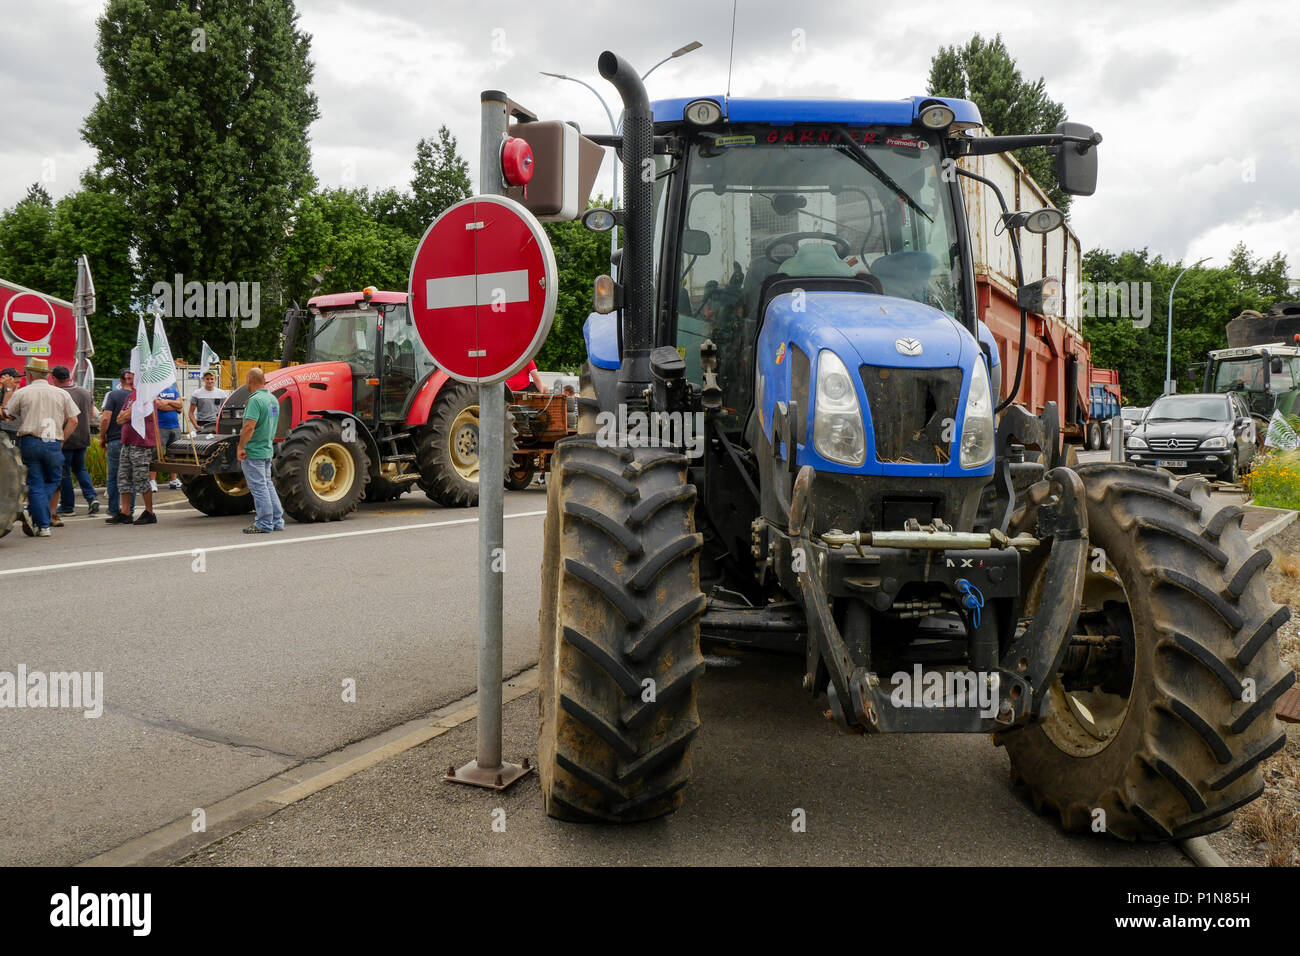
x: 29, y: 319
x: 483, y: 288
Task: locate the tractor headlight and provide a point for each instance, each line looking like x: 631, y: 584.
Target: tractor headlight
x: 837, y: 418
x: 977, y: 429
x: 1135, y: 442
x: 1219, y: 442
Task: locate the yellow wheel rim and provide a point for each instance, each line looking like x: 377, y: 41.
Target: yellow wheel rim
x: 331, y: 471
x: 462, y: 443
x: 233, y: 485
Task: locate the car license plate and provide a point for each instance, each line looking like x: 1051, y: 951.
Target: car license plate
x: 1170, y: 463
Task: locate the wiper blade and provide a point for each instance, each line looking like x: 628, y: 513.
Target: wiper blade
x: 863, y: 157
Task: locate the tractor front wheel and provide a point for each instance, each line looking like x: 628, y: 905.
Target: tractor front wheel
x: 620, y: 634
x: 320, y: 475
x: 218, y: 495
x: 1158, y: 721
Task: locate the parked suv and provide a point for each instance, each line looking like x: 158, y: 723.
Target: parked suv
x: 1204, y: 433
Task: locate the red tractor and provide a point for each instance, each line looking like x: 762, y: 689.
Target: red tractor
x: 368, y: 416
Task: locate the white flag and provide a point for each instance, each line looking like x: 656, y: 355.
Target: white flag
x: 1280, y: 434
x: 209, y: 359
x: 140, y: 408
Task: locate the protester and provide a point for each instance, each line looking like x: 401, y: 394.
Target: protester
x: 133, y: 467
x: 527, y: 379
x: 9, y: 379
x: 205, y: 404
x: 255, y: 440
x: 74, y: 450
x: 46, y: 417
x: 110, y: 436
x: 168, y: 405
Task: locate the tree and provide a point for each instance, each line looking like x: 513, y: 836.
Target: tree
x: 441, y: 179
x: 202, y: 130
x: 985, y: 72
x: 1206, y: 300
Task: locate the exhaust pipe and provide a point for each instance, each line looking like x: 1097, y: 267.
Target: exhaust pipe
x: 638, y: 205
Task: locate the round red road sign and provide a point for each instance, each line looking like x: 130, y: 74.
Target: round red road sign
x: 28, y: 318
x: 483, y: 288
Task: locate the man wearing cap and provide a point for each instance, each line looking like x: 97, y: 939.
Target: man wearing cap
x: 74, y: 449
x: 205, y: 404
x: 46, y: 416
x: 110, y: 436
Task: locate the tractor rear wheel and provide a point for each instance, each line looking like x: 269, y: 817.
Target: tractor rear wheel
x: 447, y: 450
x: 620, y: 634
x: 218, y: 495
x: 1163, y: 712
x: 319, y: 474
x: 13, y: 483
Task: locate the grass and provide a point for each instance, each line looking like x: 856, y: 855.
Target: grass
x: 97, y: 463
x: 1274, y: 480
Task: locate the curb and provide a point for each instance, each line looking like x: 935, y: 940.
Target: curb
x: 1270, y: 528
x: 177, y: 840
x: 1199, y: 851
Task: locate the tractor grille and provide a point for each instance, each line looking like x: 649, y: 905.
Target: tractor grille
x: 913, y: 412
x: 1172, y: 444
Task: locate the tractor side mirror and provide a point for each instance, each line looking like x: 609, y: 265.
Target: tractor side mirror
x: 696, y: 242
x: 1076, y: 163
x: 1275, y: 366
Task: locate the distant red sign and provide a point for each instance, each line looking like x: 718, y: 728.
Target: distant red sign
x: 483, y: 289
x: 29, y: 318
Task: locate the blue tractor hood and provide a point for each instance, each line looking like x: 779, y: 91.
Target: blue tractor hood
x: 860, y: 329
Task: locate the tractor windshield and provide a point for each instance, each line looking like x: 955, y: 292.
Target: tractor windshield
x: 761, y: 203
x: 345, y: 336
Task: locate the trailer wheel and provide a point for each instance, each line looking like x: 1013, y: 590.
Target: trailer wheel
x: 520, y: 476
x: 1163, y: 712
x: 13, y: 483
x: 218, y: 495
x: 620, y: 635
x: 1105, y: 436
x: 319, y: 474
x: 1094, y: 437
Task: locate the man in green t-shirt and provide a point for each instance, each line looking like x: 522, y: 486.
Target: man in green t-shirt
x: 255, y: 443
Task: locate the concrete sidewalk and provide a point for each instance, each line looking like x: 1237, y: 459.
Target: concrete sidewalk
x: 764, y: 752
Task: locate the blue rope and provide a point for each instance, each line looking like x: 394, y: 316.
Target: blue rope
x: 972, y: 599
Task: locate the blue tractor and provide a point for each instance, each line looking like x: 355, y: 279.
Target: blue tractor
x: 791, y: 437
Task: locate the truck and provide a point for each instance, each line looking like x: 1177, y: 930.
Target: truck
x: 368, y: 416
x: 1105, y: 403
x: 1262, y: 362
x: 790, y: 438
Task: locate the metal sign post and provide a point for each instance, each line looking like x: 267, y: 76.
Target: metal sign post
x: 483, y: 289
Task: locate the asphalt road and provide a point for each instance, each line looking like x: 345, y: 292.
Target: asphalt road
x: 215, y: 679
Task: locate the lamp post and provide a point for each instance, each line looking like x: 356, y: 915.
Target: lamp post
x: 1169, y: 331
x: 613, y: 124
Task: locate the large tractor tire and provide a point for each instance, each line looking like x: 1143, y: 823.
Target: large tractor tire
x: 620, y: 634
x: 447, y: 450
x: 13, y: 484
x: 218, y: 495
x: 319, y: 474
x: 1164, y: 708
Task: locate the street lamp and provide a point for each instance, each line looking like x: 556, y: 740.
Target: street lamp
x: 613, y: 124
x: 680, y: 51
x: 1169, y: 332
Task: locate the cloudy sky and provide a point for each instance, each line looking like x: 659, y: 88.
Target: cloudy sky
x: 1193, y: 96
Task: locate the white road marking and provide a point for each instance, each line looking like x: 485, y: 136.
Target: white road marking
x: 188, y: 552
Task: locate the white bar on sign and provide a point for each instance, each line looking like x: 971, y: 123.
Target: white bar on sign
x: 40, y: 317
x: 451, y: 292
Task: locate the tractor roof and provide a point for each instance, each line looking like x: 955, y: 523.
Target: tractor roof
x: 902, y: 112
x: 338, y: 300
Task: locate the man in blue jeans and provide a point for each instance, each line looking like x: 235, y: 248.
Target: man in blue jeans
x: 74, y: 449
x: 110, y: 436
x: 46, y: 416
x: 255, y: 444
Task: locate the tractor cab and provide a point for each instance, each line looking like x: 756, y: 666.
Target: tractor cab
x: 1266, y: 376
x: 373, y: 334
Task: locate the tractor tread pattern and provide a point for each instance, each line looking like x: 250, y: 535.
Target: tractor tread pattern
x: 292, y: 467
